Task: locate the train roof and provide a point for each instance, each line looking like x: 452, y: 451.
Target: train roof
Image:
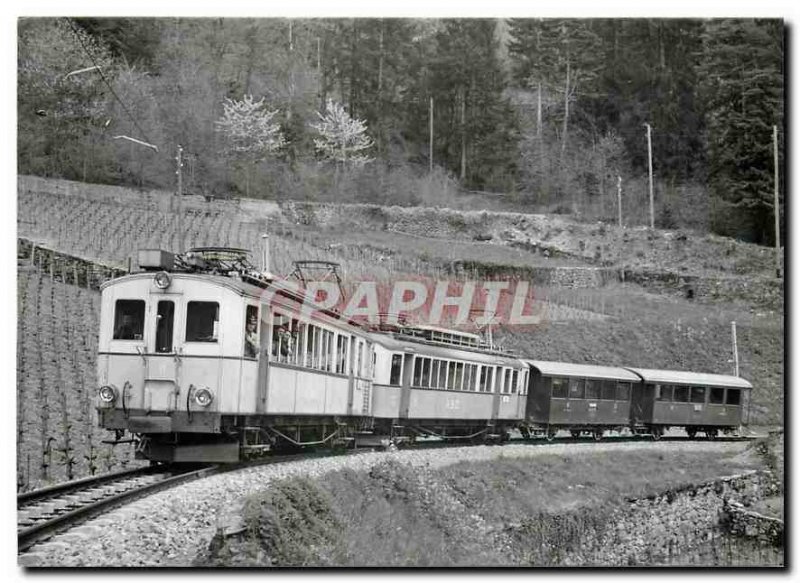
x: 405, y: 343
x: 568, y: 369
x: 679, y: 377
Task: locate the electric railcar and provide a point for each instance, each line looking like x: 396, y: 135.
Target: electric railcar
x: 203, y: 358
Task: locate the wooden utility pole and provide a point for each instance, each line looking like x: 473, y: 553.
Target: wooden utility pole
x: 777, y: 205
x: 619, y: 200
x: 463, y: 136
x: 650, y: 171
x: 179, y: 196
x: 430, y: 140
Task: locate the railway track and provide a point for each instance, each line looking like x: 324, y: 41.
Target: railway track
x: 48, y: 511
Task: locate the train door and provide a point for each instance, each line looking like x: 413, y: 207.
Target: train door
x: 265, y: 342
x: 498, y: 389
x: 162, y: 368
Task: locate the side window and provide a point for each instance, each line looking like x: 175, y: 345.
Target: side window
x: 425, y: 381
x: 341, y: 357
x: 435, y: 367
x: 451, y: 375
x: 514, y: 380
x: 663, y: 392
x: 459, y: 376
x: 282, y: 341
x: 395, y: 374
x: 442, y: 382
x: 486, y: 379
x: 681, y: 394
x: 469, y: 377
x: 623, y: 391
x: 202, y: 322
x: 592, y: 389
x: 734, y: 397
x: 560, y: 388
x: 608, y: 390
x: 128, y: 320
x: 576, y: 388
x: 417, y: 371
x: 251, y: 332
x: 698, y: 395
x: 717, y: 396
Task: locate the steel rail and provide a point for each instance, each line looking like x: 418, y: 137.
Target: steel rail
x: 38, y: 532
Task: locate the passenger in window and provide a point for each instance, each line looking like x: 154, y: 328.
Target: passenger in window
x: 282, y: 343
x: 251, y: 338
x: 127, y: 330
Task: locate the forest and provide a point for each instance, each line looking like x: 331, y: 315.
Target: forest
x: 544, y: 115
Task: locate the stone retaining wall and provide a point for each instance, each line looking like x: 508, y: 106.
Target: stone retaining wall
x: 645, y: 531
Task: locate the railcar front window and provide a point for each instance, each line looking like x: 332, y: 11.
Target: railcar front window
x: 202, y: 322
x: 164, y: 321
x: 129, y: 320
x: 514, y: 381
x: 734, y: 397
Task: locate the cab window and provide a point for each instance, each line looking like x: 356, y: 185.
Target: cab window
x: 202, y: 322
x: 129, y: 320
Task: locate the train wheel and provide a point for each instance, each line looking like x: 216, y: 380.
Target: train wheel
x: 657, y: 431
x: 550, y: 435
x: 575, y: 433
x: 711, y: 433
x: 692, y: 433
x: 598, y: 434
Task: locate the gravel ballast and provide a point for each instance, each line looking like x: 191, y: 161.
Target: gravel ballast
x: 168, y: 529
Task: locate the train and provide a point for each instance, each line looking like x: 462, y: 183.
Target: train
x: 202, y: 357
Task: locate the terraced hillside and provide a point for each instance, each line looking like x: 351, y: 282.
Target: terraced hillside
x: 588, y: 313
x: 57, y: 434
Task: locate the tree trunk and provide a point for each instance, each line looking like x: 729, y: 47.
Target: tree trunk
x: 566, y: 112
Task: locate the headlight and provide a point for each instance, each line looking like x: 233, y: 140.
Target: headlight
x: 203, y: 397
x: 162, y: 280
x: 107, y: 394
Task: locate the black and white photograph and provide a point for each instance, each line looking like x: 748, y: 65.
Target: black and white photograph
x: 405, y: 292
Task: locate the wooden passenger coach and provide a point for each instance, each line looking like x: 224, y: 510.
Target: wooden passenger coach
x: 579, y: 398
x: 696, y: 402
